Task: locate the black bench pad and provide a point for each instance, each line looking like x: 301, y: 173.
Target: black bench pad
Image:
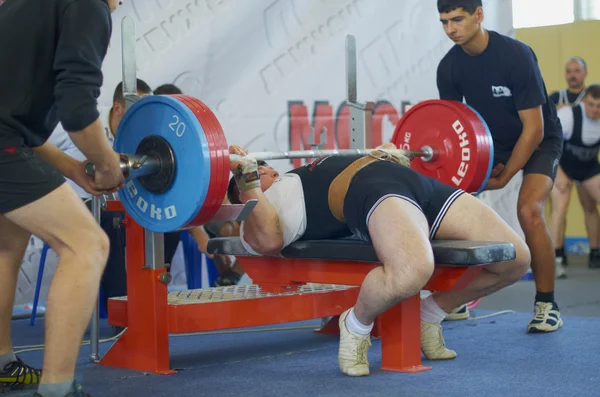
x: 446, y: 252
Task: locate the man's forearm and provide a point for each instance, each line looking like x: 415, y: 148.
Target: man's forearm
x: 530, y: 139
x: 94, y: 145
x: 262, y: 229
x: 57, y: 158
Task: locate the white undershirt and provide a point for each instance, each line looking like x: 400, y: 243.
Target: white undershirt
x: 287, y: 197
x: 590, y: 131
x: 61, y: 139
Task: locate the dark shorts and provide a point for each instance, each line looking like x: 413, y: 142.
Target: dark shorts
x: 581, y: 172
x: 544, y: 160
x: 24, y: 178
x: 378, y: 181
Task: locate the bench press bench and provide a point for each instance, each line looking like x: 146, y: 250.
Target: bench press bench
x: 347, y: 262
x: 312, y: 280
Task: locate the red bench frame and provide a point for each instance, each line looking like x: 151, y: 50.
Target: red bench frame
x: 144, y: 346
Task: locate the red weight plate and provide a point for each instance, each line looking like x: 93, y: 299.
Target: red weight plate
x: 223, y: 146
x: 457, y: 135
x: 216, y: 163
x: 220, y: 172
x: 213, y: 203
x: 223, y: 153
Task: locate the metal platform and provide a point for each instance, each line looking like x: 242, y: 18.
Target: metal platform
x: 239, y: 292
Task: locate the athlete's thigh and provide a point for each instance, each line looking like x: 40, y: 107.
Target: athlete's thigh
x: 60, y: 218
x: 469, y: 218
x: 589, y: 192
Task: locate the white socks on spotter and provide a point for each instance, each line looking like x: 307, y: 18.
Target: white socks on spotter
x: 431, y: 312
x: 356, y: 326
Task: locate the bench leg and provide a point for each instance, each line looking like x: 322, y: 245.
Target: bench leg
x: 331, y: 327
x: 399, y: 329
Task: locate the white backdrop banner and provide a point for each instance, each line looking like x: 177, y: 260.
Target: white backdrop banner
x: 272, y: 69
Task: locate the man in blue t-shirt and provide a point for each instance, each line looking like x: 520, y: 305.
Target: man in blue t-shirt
x: 500, y: 78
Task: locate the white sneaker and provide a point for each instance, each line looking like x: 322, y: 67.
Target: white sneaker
x: 559, y: 268
x: 433, y: 345
x: 352, y: 355
x: 546, y: 319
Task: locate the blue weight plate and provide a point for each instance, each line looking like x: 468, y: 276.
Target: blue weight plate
x: 174, y: 121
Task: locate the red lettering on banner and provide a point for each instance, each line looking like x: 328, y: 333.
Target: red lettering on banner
x: 338, y: 137
x: 300, y: 126
x: 382, y: 109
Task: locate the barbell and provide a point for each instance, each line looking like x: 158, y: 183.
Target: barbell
x: 176, y: 160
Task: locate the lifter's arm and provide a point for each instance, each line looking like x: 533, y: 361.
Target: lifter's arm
x: 262, y: 230
x: 531, y: 137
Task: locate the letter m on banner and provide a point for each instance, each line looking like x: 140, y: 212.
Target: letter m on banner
x: 301, y: 127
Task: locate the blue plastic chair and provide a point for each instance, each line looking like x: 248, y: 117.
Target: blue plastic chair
x: 38, y: 284
x: 193, y: 263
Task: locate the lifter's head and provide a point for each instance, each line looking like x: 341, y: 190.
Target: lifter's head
x: 461, y: 19
x: 591, y: 101
x: 268, y: 175
x: 575, y: 73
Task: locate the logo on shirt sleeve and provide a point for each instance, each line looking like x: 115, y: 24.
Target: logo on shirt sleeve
x: 500, y: 91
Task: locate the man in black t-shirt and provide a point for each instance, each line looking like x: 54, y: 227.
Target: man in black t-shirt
x: 500, y: 78
x: 50, y: 72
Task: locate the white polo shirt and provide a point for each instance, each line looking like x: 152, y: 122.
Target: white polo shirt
x: 61, y: 139
x: 287, y: 197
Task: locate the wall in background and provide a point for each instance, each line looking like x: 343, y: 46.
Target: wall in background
x: 553, y: 46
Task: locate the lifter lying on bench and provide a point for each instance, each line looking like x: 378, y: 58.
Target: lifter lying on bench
x: 383, y: 202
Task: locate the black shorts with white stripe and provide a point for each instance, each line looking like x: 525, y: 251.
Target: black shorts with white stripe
x: 381, y: 180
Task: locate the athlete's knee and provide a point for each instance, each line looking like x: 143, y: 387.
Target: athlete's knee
x: 90, y: 247
x: 519, y: 266
x: 402, y: 279
x: 512, y: 271
x: 531, y: 213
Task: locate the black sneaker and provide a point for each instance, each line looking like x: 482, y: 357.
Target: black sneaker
x: 77, y: 391
x: 594, y: 261
x: 546, y: 319
x: 17, y: 375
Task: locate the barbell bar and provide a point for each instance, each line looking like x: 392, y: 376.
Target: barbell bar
x: 135, y: 165
x: 177, y: 163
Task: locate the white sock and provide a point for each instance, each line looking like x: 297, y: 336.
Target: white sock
x: 356, y: 326
x: 431, y: 312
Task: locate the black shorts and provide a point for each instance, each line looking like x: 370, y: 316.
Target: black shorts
x: 544, y: 160
x: 24, y: 178
x: 581, y: 172
x: 378, y: 181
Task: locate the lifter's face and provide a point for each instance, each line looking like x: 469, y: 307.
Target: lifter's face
x: 575, y: 74
x: 268, y: 175
x: 592, y: 107
x: 460, y: 26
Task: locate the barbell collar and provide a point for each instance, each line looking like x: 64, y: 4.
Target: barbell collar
x: 132, y: 166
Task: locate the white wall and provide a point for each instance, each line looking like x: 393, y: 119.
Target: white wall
x: 247, y: 59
